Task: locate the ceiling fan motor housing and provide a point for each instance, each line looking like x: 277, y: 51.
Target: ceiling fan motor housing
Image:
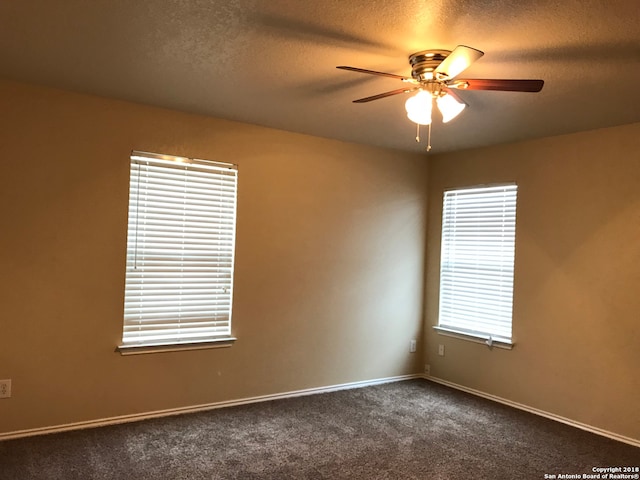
x: 425, y: 62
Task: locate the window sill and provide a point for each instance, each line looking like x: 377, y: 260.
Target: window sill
x: 175, y: 347
x: 476, y: 338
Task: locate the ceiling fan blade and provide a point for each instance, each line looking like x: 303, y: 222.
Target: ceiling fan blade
x: 458, y: 60
x: 385, y: 94
x: 372, y: 72
x: 501, y: 85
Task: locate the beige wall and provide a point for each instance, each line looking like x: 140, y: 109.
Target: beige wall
x: 576, y: 315
x: 329, y: 260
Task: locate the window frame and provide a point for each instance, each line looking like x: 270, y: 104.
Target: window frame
x: 210, y: 190
x: 448, y: 328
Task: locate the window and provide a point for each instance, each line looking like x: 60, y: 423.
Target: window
x: 476, y: 266
x: 180, y: 246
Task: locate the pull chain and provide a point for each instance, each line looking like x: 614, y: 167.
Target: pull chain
x: 428, y: 137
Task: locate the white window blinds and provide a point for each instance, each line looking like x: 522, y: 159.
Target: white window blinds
x: 180, y: 247
x: 476, y: 269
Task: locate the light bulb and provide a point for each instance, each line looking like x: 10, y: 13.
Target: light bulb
x: 419, y: 108
x: 449, y: 107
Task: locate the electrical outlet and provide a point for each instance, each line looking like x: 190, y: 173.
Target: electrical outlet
x: 441, y: 350
x: 427, y: 369
x: 5, y: 388
x: 412, y: 346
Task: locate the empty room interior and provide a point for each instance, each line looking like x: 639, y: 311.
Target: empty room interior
x: 337, y: 271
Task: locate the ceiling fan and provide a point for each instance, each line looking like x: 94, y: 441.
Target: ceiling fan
x: 433, y: 76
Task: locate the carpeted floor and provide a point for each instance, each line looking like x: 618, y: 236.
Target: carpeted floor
x: 406, y: 430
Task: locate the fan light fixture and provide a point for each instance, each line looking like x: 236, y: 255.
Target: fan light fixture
x: 419, y: 107
x: 449, y: 107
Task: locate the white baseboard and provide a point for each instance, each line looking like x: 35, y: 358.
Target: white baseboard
x: 542, y: 413
x: 199, y: 408
x: 309, y: 391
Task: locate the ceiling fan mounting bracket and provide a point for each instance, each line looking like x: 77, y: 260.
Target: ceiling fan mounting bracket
x: 423, y: 63
x: 460, y: 85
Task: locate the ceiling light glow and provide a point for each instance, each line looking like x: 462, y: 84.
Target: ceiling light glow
x: 419, y: 108
x: 449, y: 107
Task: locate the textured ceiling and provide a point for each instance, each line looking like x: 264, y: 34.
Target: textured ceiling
x: 273, y: 63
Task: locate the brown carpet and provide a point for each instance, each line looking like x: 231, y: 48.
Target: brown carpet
x: 407, y: 430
